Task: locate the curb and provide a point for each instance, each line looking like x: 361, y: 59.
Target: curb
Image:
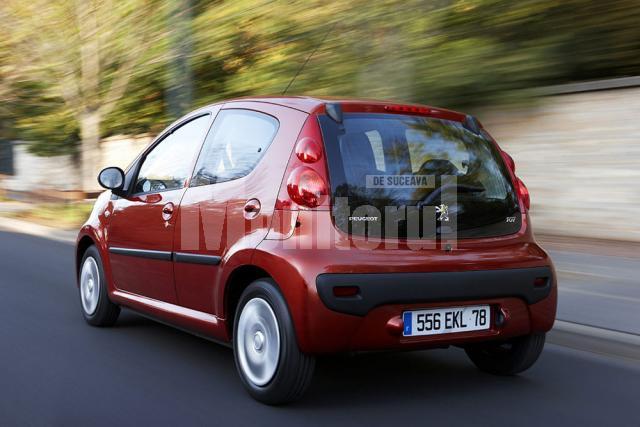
x: 38, y: 230
x: 595, y: 340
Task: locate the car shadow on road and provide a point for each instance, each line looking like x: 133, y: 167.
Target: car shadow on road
x: 393, y: 378
x: 349, y: 381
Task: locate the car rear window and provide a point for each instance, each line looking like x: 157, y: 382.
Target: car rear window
x: 415, y: 177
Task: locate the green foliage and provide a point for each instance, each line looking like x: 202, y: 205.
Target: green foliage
x: 52, y: 133
x: 44, y: 120
x: 66, y: 215
x: 143, y: 108
x: 451, y: 53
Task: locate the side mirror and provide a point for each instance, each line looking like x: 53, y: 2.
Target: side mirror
x: 112, y: 179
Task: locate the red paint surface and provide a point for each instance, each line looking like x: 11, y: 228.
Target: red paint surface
x: 293, y: 246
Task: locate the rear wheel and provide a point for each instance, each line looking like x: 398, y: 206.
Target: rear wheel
x: 97, y: 309
x: 509, y: 357
x: 270, y: 364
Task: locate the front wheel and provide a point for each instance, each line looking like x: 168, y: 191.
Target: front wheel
x: 270, y: 364
x: 509, y: 357
x: 97, y: 309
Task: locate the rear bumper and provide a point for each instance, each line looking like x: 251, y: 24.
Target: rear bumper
x: 499, y: 272
x: 327, y: 331
x: 372, y: 320
x: 373, y: 290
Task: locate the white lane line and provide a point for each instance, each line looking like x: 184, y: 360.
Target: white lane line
x: 598, y: 294
x: 595, y: 340
x: 592, y: 274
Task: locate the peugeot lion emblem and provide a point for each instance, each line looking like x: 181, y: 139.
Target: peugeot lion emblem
x: 443, y: 212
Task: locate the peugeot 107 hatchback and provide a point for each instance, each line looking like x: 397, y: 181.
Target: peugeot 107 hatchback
x: 294, y: 227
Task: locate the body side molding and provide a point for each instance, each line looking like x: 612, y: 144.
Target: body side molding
x: 142, y: 253
x: 196, y: 258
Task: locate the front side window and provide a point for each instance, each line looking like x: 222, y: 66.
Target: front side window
x: 237, y: 141
x: 168, y: 165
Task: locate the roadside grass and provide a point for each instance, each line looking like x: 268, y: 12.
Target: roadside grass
x: 59, y: 215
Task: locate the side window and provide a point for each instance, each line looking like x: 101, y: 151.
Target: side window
x: 378, y: 150
x: 168, y: 165
x: 234, y: 145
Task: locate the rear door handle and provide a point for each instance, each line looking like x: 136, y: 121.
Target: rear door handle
x: 167, y: 211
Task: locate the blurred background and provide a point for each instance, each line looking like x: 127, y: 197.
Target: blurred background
x: 87, y: 84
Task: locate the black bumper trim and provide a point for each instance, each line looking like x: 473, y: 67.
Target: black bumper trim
x: 376, y: 289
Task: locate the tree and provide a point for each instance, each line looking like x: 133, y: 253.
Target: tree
x: 92, y: 68
x: 83, y: 52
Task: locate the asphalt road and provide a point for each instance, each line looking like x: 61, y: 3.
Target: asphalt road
x: 56, y: 370
x: 599, y: 290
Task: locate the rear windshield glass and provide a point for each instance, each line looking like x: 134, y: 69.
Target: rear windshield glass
x: 400, y: 176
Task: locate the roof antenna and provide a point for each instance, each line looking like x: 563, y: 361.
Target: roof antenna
x: 308, y: 58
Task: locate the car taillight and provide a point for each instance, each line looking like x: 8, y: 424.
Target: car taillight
x: 308, y: 150
x: 509, y: 161
x: 407, y: 109
x: 523, y: 193
x: 305, y: 184
x: 306, y: 187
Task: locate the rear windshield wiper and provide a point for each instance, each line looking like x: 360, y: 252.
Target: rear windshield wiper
x: 462, y: 188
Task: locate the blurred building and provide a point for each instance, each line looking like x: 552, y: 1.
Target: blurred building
x: 578, y: 151
x: 27, y: 172
x: 577, y: 148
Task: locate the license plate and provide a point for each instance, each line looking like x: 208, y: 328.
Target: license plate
x: 446, y: 320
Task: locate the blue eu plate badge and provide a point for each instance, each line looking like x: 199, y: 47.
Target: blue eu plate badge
x: 406, y: 320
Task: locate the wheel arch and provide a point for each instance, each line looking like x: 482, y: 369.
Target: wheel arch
x: 283, y: 270
x: 239, y: 279
x: 84, y: 243
x: 89, y: 236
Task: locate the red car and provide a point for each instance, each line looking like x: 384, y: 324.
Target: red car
x: 293, y: 227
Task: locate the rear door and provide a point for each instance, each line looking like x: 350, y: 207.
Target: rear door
x: 228, y: 207
x: 142, y: 227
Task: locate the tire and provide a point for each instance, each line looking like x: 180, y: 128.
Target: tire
x: 507, y: 358
x: 270, y: 364
x: 96, y: 307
